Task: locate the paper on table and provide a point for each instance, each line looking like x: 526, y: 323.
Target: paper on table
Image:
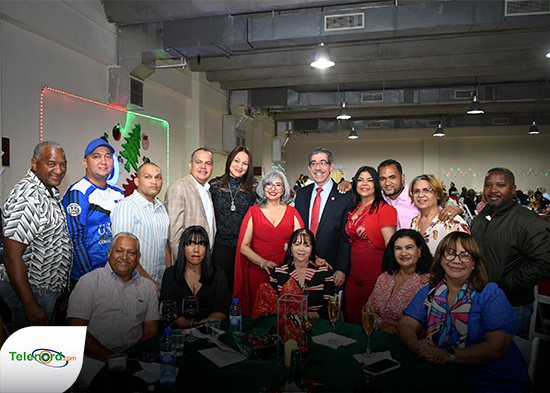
x: 150, y: 372
x: 323, y: 339
x: 373, y: 359
x: 221, y: 357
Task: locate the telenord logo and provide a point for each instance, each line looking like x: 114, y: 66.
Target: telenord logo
x: 52, y: 355
x: 47, y: 357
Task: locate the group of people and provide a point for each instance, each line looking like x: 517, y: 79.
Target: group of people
x: 391, y: 245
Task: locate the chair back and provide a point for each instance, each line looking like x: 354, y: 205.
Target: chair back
x: 529, y: 350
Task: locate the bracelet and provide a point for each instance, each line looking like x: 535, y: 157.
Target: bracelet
x: 262, y: 265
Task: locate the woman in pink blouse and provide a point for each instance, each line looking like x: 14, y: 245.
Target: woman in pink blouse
x: 406, y: 259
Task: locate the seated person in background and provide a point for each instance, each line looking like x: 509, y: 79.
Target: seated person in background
x: 299, y: 264
x: 467, y: 321
x: 406, y: 260
x: 194, y: 274
x: 119, y: 307
x: 539, y: 203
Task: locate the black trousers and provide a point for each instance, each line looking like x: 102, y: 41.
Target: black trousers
x: 224, y: 258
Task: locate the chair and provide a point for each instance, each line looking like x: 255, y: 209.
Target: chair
x: 340, y: 296
x: 529, y: 350
x: 538, y: 311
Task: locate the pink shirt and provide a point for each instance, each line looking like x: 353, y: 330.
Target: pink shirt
x: 389, y: 306
x: 406, y: 210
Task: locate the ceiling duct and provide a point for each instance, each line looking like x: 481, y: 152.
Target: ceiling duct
x: 527, y: 7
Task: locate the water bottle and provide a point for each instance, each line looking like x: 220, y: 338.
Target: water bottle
x: 235, y: 318
x: 167, y: 358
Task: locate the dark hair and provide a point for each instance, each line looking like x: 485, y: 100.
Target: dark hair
x: 507, y: 171
x: 147, y: 163
x: 300, y: 235
x: 425, y: 260
x: 199, y: 234
x: 318, y: 150
x: 199, y: 149
x: 478, y: 277
x: 378, y: 198
x: 389, y: 162
x: 248, y: 177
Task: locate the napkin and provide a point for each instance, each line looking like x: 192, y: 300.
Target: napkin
x: 222, y: 357
x: 323, y: 339
x: 150, y: 372
x: 373, y: 359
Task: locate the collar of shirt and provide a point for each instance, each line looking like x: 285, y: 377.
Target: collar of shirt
x: 206, y: 186
x: 41, y: 186
x: 144, y: 202
x: 135, y: 274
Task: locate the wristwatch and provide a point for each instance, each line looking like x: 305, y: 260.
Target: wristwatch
x: 452, y: 354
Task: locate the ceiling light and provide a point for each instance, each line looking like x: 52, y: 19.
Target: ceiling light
x: 322, y: 57
x: 344, y: 113
x: 534, y: 129
x: 548, y: 55
x: 353, y: 134
x: 475, y: 107
x: 440, y: 132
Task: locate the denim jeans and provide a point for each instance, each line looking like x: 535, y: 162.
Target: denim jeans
x: 45, y: 298
x: 524, y: 318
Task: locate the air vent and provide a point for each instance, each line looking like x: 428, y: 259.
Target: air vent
x: 373, y: 96
x: 374, y: 124
x: 136, y: 92
x: 527, y: 7
x: 463, y: 94
x: 432, y: 123
x: 344, y: 22
x: 500, y: 121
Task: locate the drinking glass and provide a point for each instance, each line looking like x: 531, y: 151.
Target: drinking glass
x: 167, y: 313
x: 333, y: 312
x: 368, y: 325
x: 190, y: 309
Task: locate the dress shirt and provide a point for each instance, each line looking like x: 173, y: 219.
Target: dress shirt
x: 208, y: 208
x: 324, y: 198
x: 149, y: 222
x: 406, y: 209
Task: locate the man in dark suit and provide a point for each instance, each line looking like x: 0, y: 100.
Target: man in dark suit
x: 325, y: 213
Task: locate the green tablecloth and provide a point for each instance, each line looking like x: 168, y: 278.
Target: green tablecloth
x: 336, y: 368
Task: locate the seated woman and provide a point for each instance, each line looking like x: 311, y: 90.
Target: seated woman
x: 299, y: 264
x: 194, y: 274
x: 406, y: 260
x: 467, y: 321
x: 426, y: 193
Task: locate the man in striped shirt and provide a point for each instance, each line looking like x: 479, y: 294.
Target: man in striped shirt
x: 144, y: 215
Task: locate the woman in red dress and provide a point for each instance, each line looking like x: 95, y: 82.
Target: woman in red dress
x: 370, y: 226
x: 263, y: 239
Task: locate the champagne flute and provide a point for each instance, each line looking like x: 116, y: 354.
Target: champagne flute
x: 190, y: 309
x: 333, y: 312
x: 167, y: 313
x: 368, y: 325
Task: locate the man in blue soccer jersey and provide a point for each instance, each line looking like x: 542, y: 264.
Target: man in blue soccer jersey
x: 88, y: 204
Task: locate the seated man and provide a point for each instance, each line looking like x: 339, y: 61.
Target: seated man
x: 119, y: 307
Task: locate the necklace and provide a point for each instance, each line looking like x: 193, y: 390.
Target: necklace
x: 233, y: 207
x: 272, y: 212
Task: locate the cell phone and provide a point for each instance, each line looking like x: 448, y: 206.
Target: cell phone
x: 381, y: 367
x: 143, y: 356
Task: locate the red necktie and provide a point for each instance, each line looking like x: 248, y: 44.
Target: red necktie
x: 315, y: 212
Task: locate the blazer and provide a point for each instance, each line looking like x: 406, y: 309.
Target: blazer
x: 332, y: 241
x: 185, y: 208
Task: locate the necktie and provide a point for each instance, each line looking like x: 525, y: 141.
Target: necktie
x: 315, y: 212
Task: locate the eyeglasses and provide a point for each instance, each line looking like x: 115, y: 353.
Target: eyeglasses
x: 424, y: 191
x: 465, y: 257
x: 201, y: 243
x: 277, y: 186
x: 321, y: 163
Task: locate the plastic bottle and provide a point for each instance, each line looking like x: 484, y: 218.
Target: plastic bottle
x: 235, y: 318
x: 167, y: 358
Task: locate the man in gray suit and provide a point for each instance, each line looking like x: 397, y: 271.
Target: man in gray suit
x: 188, y: 200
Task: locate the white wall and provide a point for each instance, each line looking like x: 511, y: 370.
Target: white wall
x: 511, y: 148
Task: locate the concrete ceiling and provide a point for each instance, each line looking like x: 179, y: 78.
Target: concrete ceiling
x: 421, y: 59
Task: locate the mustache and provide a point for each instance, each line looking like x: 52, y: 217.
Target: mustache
x: 318, y: 171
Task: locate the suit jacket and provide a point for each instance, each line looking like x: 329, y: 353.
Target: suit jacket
x: 185, y: 208
x: 332, y: 241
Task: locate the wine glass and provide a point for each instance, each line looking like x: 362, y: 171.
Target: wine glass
x: 333, y: 312
x: 368, y: 325
x: 167, y: 313
x: 190, y: 309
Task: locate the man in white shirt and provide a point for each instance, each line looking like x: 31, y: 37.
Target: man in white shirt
x: 189, y: 202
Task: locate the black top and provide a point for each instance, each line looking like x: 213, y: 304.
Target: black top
x: 228, y: 222
x: 214, y: 297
